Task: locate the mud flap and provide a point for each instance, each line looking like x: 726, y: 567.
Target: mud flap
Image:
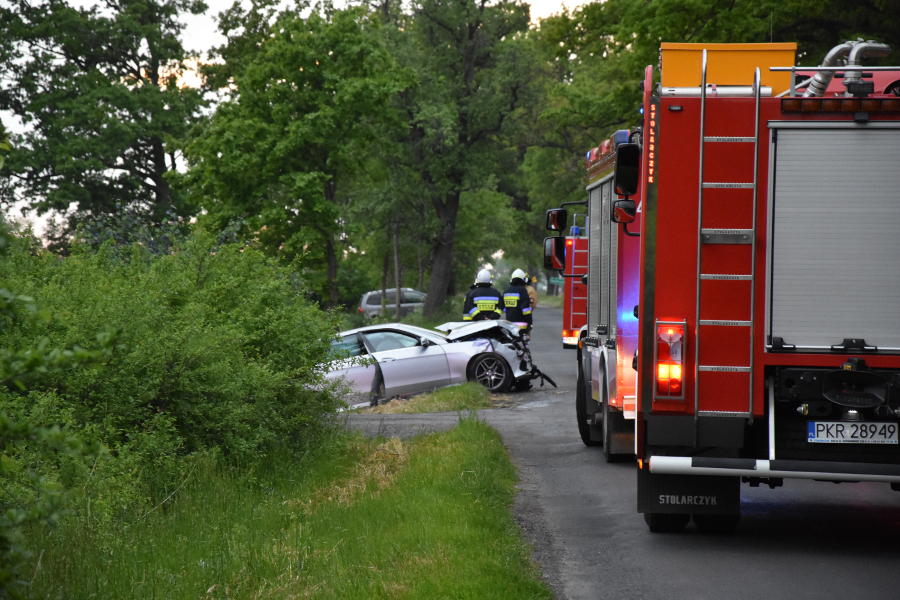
x: 621, y: 433
x: 695, y: 494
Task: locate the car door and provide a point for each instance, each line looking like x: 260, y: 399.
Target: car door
x: 351, y: 364
x: 407, y: 366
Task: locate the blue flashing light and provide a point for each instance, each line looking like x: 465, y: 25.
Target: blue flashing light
x: 641, y: 110
x: 621, y: 137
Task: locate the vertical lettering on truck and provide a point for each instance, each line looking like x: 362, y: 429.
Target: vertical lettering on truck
x: 647, y: 300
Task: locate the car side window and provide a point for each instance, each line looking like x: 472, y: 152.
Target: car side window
x: 375, y: 299
x: 347, y: 346
x: 413, y: 297
x: 382, y: 341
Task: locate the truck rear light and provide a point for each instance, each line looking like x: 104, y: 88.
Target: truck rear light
x: 669, y: 360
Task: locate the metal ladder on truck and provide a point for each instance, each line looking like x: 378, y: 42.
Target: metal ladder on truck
x: 723, y: 384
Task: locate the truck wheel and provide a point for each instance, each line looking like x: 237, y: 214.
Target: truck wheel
x: 716, y: 523
x: 665, y: 522
x: 584, y: 429
x: 491, y: 371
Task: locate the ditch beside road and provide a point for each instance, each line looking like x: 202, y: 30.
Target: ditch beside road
x: 804, y: 540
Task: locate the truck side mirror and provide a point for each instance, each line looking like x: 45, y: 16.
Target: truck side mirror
x: 556, y: 219
x: 555, y: 253
x: 628, y: 167
x: 624, y: 211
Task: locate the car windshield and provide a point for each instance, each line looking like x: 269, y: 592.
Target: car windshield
x: 421, y: 331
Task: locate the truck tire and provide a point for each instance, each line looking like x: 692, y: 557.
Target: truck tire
x: 584, y: 429
x: 665, y: 522
x: 716, y: 523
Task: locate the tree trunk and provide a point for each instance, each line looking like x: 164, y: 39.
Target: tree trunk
x: 332, y: 264
x: 162, y: 191
x: 442, y: 266
x: 397, y: 271
x: 421, y: 266
x: 331, y: 251
x: 441, y: 271
x: 384, y: 274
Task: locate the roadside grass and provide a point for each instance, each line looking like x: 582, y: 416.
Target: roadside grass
x: 468, y: 396
x: 550, y: 301
x: 424, y: 518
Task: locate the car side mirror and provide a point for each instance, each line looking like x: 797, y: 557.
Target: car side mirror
x: 628, y: 167
x: 557, y: 219
x: 555, y: 253
x: 624, y: 211
x: 425, y: 342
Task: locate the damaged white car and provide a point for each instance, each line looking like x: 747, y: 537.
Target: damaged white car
x: 382, y: 361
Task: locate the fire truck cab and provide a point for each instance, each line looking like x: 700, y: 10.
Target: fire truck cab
x: 744, y: 277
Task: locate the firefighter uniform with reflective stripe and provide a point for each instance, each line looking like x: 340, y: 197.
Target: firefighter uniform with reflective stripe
x: 518, y: 304
x: 482, y: 302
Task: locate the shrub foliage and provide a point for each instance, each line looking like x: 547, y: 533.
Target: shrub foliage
x: 216, y: 348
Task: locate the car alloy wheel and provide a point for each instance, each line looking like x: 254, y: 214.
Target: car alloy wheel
x: 492, y: 372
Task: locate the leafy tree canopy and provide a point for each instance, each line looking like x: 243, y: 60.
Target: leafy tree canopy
x: 305, y: 100
x: 98, y: 90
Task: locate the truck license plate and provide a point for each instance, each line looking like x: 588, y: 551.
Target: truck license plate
x: 852, y: 433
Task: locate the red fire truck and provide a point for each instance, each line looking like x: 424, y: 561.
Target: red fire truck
x: 743, y: 322
x: 574, y: 290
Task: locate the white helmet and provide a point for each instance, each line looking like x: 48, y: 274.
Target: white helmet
x: 519, y: 274
x: 484, y: 276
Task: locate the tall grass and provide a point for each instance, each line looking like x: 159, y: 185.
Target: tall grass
x: 365, y: 519
x: 550, y: 301
x: 468, y: 396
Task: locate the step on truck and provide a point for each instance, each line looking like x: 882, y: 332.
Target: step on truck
x: 743, y: 282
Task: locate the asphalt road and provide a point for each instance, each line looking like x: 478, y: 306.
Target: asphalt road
x: 804, y: 540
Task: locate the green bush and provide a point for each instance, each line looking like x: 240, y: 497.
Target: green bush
x: 216, y: 348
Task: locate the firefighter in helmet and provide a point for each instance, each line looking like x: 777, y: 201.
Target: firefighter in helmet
x: 483, y: 301
x: 517, y: 303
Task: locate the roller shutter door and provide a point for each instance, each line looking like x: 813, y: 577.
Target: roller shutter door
x: 835, y: 238
x: 594, y: 224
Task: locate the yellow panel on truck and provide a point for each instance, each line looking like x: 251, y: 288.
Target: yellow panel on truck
x: 727, y: 64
